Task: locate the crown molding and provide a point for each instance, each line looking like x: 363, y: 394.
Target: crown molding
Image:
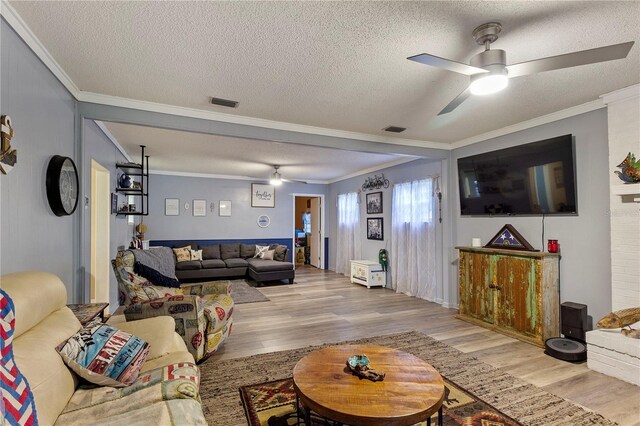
x: 621, y: 95
x: 113, y: 139
x: 534, y: 122
x: 20, y: 27
x: 98, y: 98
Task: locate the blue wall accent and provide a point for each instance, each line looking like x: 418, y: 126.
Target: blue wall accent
x: 262, y: 242
x: 326, y: 252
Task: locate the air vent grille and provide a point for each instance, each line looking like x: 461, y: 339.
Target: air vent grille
x: 395, y: 129
x: 225, y: 102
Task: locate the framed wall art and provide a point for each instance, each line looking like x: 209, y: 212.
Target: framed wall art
x: 374, y: 203
x: 199, y: 207
x: 171, y: 207
x: 375, y: 228
x: 225, y: 208
x: 263, y: 195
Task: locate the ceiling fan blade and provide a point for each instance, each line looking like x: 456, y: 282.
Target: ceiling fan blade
x: 294, y: 181
x: 435, y: 61
x: 582, y: 57
x: 456, y: 102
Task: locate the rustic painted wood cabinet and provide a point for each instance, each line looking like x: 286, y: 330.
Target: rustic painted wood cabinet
x: 513, y: 292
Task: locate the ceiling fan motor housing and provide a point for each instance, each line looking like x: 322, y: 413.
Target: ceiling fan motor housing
x: 494, y: 61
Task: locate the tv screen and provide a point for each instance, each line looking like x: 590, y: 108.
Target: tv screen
x: 532, y: 179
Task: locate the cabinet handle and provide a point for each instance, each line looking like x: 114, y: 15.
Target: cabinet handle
x: 492, y: 286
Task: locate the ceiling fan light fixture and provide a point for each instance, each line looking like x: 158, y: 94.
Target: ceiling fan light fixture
x: 488, y: 85
x: 276, y: 179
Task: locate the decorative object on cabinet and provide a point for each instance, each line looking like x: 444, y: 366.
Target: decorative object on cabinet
x: 629, y: 169
x: 133, y: 182
x: 509, y: 239
x: 512, y: 292
x: 225, y: 208
x: 263, y: 221
x: 8, y: 156
x: 171, y: 207
x: 62, y: 185
x: 375, y: 228
x: 199, y: 207
x: 263, y: 195
x: 368, y: 273
x: 375, y: 182
x: 374, y: 203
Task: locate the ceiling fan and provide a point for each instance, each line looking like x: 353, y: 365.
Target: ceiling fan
x: 276, y: 178
x: 489, y: 72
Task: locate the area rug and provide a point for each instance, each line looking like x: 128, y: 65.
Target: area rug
x: 242, y: 292
x: 273, y: 404
x: 528, y: 404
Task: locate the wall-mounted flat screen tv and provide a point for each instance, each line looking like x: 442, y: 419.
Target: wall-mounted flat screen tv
x: 531, y: 179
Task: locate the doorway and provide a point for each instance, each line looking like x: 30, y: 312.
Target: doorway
x: 308, y: 229
x: 100, y: 220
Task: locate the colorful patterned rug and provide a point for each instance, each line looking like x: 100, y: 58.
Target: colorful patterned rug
x: 273, y: 404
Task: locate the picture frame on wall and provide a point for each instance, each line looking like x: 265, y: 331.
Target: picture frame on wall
x: 263, y: 195
x: 171, y: 207
x: 199, y: 207
x: 374, y: 203
x: 225, y: 208
x: 114, y: 202
x: 375, y: 228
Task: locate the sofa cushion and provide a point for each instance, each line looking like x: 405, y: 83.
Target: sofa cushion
x: 154, y: 276
x: 247, y: 250
x: 104, y: 355
x: 280, y: 251
x: 211, y: 252
x: 262, y: 265
x: 183, y: 254
x: 154, y: 292
x: 235, y: 263
x: 188, y: 265
x: 268, y: 255
x: 229, y: 251
x: 158, y: 332
x: 213, y: 263
x: 18, y: 404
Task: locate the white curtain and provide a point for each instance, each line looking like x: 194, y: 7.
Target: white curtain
x: 349, y: 245
x: 413, y: 239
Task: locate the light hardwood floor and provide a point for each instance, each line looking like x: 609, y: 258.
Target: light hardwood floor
x: 323, y: 307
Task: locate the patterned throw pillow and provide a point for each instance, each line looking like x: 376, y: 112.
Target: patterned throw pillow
x: 260, y: 251
x: 268, y: 255
x: 196, y: 254
x: 18, y: 406
x: 182, y: 254
x: 104, y: 355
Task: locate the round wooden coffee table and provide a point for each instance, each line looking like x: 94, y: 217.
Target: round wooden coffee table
x: 411, y: 392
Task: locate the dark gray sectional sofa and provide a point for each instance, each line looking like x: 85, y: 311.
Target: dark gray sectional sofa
x: 235, y: 260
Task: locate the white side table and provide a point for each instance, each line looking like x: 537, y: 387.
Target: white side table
x: 368, y: 273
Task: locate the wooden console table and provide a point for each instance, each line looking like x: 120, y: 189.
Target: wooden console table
x: 513, y: 292
x: 411, y: 392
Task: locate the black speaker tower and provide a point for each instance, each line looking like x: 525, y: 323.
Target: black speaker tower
x: 571, y: 347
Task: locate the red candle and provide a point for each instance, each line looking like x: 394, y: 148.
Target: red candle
x: 552, y: 246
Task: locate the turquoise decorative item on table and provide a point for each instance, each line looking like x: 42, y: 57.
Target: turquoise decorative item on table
x: 630, y: 169
x: 356, y: 360
x: 359, y: 365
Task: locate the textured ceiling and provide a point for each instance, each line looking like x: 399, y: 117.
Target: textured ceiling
x: 177, y: 151
x: 340, y: 65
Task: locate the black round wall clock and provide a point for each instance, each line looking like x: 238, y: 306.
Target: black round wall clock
x: 62, y: 185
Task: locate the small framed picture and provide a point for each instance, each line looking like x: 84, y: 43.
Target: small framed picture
x: 374, y: 203
x: 225, y: 208
x: 171, y: 207
x: 199, y: 207
x: 263, y: 195
x: 114, y: 202
x: 375, y: 228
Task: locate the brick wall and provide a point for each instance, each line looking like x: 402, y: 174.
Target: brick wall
x: 624, y: 136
